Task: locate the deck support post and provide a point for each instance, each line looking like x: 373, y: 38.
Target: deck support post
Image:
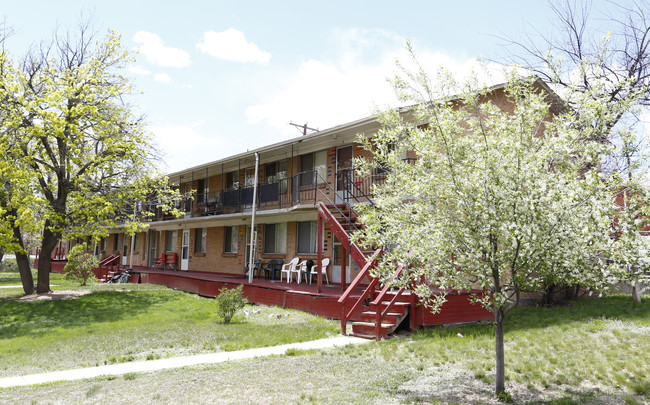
x: 344, y: 257
x: 319, y: 259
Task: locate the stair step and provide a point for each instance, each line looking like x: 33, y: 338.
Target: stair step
x: 371, y: 316
x: 372, y: 324
x: 397, y: 304
x: 363, y: 336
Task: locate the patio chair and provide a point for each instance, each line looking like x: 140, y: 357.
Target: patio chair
x: 287, y: 268
x: 314, y: 269
x: 257, y: 264
x: 299, y: 269
x: 159, y: 262
x: 269, y: 268
x: 278, y: 267
x: 170, y: 261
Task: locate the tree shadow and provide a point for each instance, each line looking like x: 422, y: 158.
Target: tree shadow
x: 619, y: 307
x: 33, y: 318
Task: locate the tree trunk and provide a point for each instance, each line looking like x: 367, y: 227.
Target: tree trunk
x: 636, y: 291
x: 22, y: 259
x: 500, y: 379
x: 45, y: 259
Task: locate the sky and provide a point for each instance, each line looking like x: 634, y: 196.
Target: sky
x: 218, y: 78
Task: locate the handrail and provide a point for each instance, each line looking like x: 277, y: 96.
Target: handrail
x: 345, y: 316
x: 338, y: 230
x: 379, y: 313
x: 104, y: 264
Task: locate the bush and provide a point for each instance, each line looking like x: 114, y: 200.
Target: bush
x: 80, y: 265
x: 229, y: 301
x: 12, y: 266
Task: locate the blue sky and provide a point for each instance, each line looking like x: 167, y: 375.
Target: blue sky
x: 219, y: 78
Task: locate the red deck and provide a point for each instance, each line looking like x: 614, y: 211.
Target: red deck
x: 304, y: 297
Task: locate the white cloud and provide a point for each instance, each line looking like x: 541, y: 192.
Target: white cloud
x: 155, y: 51
x: 162, y: 77
x: 231, y: 45
x: 184, y: 145
x: 139, y: 71
x: 329, y: 93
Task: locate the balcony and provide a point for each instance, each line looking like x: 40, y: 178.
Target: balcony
x: 301, y: 189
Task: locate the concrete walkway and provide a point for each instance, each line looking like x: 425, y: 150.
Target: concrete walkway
x: 174, y: 362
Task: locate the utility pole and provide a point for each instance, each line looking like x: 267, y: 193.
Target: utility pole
x: 304, y: 128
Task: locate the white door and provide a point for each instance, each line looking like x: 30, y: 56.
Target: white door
x: 185, y: 250
x: 337, y: 261
x: 344, y: 174
x: 125, y: 249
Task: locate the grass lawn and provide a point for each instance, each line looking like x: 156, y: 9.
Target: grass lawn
x: 594, y: 351
x: 129, y: 322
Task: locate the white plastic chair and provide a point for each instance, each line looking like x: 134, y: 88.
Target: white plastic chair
x: 288, y: 267
x: 299, y: 269
x: 325, y: 262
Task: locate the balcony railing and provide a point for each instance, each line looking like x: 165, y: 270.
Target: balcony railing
x: 283, y: 193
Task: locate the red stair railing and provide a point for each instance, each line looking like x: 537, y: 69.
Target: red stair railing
x: 346, y: 296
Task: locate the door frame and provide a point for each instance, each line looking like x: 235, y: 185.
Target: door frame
x: 341, y: 194
x: 185, y: 250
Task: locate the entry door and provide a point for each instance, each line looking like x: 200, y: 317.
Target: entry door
x: 185, y: 250
x: 336, y: 263
x: 125, y: 249
x: 152, y: 247
x: 344, y: 174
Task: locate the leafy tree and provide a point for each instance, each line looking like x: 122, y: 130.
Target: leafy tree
x: 229, y: 301
x: 77, y: 156
x: 80, y: 264
x: 504, y: 195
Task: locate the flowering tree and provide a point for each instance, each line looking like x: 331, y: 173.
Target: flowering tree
x: 503, y: 197
x: 76, y: 159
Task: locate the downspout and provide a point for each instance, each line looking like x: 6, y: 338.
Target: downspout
x: 135, y: 211
x: 251, y: 265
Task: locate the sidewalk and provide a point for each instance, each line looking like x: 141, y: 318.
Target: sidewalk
x: 174, y: 362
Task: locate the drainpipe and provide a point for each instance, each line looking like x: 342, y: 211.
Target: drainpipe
x: 135, y: 212
x: 252, y: 251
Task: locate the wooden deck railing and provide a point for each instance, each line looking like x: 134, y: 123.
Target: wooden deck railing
x: 346, y: 296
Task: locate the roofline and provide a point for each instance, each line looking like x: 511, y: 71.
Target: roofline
x: 329, y: 131
x: 279, y: 145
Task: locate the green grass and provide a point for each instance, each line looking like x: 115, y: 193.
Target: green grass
x: 126, y: 322
x: 594, y: 351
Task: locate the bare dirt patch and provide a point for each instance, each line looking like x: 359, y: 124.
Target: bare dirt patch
x: 54, y: 295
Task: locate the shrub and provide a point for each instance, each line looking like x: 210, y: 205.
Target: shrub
x: 229, y: 301
x: 80, y: 265
x: 11, y: 265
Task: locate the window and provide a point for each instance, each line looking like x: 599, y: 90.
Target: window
x: 171, y: 240
x: 200, y: 238
x: 275, y: 238
x: 230, y: 239
x: 313, y: 167
x: 307, y: 237
x: 116, y: 242
x: 135, y: 241
x: 232, y: 180
x: 276, y: 172
x: 201, y: 190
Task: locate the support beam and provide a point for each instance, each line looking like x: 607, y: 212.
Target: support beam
x: 319, y: 259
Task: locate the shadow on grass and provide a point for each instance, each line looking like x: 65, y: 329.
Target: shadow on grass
x: 31, y: 318
x: 620, y: 307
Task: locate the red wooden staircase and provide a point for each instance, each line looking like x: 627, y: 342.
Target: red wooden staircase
x: 382, y: 308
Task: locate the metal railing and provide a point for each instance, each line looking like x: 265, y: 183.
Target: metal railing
x: 302, y: 188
